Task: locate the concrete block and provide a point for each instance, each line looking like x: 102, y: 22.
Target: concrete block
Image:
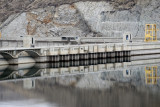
x: 110, y: 47
x: 64, y: 51
x: 86, y: 69
x: 54, y: 51
x: 118, y: 65
x: 74, y: 50
x: 95, y: 48
x: 81, y: 69
x: 91, y: 49
x: 101, y: 67
x: 110, y: 66
x: 118, y: 47
x: 91, y: 68
x: 53, y: 71
x: 28, y: 41
x: 126, y: 64
x: 81, y: 49
x: 73, y: 69
x: 86, y: 48
x: 95, y: 67
x: 125, y: 47
x: 64, y: 70
x: 101, y: 48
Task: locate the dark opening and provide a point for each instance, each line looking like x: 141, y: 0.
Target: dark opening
x: 127, y: 72
x: 32, y: 40
x: 32, y: 83
x: 64, y: 38
x: 126, y: 37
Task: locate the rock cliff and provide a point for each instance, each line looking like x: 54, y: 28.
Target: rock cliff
x: 53, y: 18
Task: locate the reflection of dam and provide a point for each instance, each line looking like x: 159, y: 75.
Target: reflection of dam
x: 120, y: 80
x: 151, y: 76
x: 123, y: 89
x: 39, y: 69
x: 72, y: 68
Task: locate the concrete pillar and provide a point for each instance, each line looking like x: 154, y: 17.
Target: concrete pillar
x: 83, y: 56
x: 128, y: 59
x: 13, y: 61
x: 55, y: 58
x: 98, y: 55
x: 125, y: 59
x: 102, y: 61
x: 55, y: 65
x: 93, y: 62
x: 121, y: 59
x: 61, y: 57
x: 71, y: 57
x: 113, y: 60
x: 128, y: 53
x: 42, y: 59
x: 74, y: 57
x: 121, y: 54
x: 90, y: 55
x: 117, y: 54
x: 104, y: 55
x: 71, y: 63
x: 50, y: 59
x: 64, y: 57
x: 77, y: 57
x: 95, y: 55
x: 76, y: 63
x: 101, y: 55
x: 84, y: 62
x: 113, y: 54
x: 108, y: 54
x: 124, y: 53
x: 108, y: 60
x: 67, y: 57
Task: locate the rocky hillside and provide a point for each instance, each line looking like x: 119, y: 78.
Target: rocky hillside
x: 53, y: 18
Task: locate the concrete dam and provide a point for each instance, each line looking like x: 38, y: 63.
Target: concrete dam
x: 73, y: 49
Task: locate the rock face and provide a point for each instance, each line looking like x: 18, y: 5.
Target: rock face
x: 110, y: 18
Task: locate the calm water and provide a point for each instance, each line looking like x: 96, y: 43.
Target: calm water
x: 92, y: 83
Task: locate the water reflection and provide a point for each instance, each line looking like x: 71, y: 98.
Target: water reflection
x: 151, y: 75
x: 57, y: 68
x: 90, y: 83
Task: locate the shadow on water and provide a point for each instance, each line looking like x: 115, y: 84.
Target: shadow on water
x: 117, y: 82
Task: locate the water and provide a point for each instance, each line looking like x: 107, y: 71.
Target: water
x: 92, y: 83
